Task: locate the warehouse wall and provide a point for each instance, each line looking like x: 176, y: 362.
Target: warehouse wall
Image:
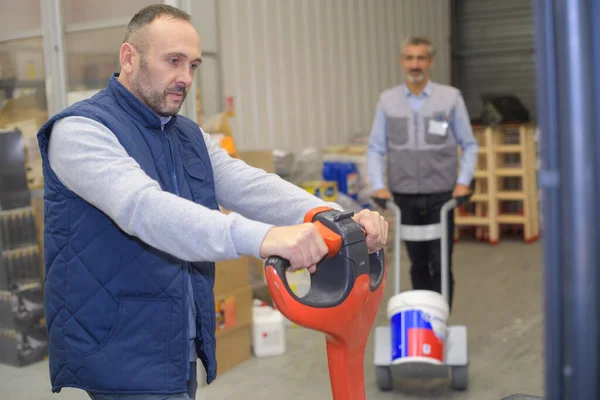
x: 308, y: 72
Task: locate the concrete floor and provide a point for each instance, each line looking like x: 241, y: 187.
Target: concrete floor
x: 498, y: 298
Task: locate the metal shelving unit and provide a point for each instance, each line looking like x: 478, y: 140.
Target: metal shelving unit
x: 23, y: 337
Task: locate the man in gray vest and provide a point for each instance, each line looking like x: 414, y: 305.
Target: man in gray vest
x: 419, y: 125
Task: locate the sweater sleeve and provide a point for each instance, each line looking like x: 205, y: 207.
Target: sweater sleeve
x: 89, y: 160
x: 259, y: 195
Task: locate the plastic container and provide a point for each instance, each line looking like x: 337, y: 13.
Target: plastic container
x: 326, y: 190
x: 268, y: 332
x: 345, y: 174
x: 330, y: 171
x: 418, y: 321
x: 348, y: 179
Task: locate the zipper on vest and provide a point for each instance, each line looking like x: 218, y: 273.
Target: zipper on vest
x: 173, y: 175
x: 416, y: 130
x: 170, y: 163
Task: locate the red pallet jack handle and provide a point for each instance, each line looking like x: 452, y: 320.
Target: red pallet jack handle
x: 343, y: 301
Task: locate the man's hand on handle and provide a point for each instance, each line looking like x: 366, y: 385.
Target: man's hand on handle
x: 375, y: 226
x: 303, y: 246
x: 460, y: 190
x: 300, y: 244
x: 383, y: 194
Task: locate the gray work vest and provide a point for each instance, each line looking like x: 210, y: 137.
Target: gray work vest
x: 420, y: 161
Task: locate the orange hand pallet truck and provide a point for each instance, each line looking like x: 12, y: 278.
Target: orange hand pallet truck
x: 343, y: 300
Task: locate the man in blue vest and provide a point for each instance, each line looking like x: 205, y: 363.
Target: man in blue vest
x: 419, y: 125
x: 133, y: 227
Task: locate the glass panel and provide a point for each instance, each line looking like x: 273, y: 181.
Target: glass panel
x: 23, y: 97
x: 21, y: 15
x: 208, y: 98
x: 22, y: 75
x: 22, y: 81
x: 77, y: 11
x: 91, y: 57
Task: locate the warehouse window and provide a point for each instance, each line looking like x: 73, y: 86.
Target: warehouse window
x: 92, y: 12
x: 22, y: 73
x: 95, y: 32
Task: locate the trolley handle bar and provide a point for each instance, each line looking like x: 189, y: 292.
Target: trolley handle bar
x: 386, y: 204
x: 450, y: 204
x: 458, y: 201
x: 463, y: 199
x: 381, y: 202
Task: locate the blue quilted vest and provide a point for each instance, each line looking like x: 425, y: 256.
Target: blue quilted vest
x: 116, y: 308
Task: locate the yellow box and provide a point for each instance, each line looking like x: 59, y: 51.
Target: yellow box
x: 326, y: 190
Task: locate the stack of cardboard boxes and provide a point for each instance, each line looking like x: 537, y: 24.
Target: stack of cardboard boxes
x: 262, y: 159
x: 237, y: 282
x: 233, y: 307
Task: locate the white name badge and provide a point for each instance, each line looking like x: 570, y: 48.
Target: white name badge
x: 438, y: 127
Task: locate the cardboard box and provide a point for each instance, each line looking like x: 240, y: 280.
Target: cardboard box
x: 24, y: 108
x: 260, y: 290
x: 262, y: 159
x: 233, y: 348
x: 231, y: 275
x: 234, y: 327
x: 256, y: 268
x: 234, y: 310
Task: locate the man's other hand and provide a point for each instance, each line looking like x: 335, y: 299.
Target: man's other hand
x: 301, y: 245
x: 383, y: 194
x: 375, y: 226
x: 460, y: 190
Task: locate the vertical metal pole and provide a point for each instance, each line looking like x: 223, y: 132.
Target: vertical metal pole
x: 568, y: 176
x: 54, y: 55
x: 397, y: 248
x: 550, y: 207
x: 594, y: 12
x: 576, y: 124
x: 220, y: 90
x: 444, y: 242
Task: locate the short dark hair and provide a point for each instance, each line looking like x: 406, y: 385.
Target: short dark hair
x: 145, y: 17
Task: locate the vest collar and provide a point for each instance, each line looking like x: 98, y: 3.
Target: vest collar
x: 135, y: 107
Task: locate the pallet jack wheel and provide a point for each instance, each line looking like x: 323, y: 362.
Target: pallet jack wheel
x: 383, y: 376
x: 460, y: 377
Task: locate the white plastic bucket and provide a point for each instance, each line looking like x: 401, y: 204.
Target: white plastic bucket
x: 418, y: 320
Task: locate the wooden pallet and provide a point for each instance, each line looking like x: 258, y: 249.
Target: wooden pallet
x: 505, y: 190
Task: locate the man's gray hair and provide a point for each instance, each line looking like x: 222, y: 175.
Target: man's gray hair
x: 419, y: 40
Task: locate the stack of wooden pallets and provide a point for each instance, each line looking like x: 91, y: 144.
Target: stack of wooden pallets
x: 505, y: 196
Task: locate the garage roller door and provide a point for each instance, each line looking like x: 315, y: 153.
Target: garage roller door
x: 493, y: 43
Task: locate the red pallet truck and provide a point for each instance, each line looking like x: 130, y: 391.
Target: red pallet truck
x: 343, y: 300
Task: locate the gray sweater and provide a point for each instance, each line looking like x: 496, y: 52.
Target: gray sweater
x: 89, y: 160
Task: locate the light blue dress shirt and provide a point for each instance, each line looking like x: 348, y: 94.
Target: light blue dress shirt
x: 459, y: 123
